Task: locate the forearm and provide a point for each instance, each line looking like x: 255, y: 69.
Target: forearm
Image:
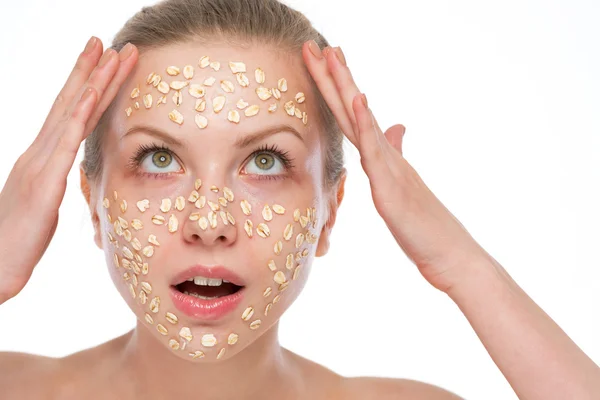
x: 533, y: 353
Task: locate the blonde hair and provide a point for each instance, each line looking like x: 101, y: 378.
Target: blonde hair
x: 234, y: 22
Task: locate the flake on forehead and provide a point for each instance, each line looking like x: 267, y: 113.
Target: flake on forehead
x: 227, y: 86
x: 188, y: 72
x: 259, y: 75
x: 197, y: 91
x: 173, y: 70
x: 201, y: 121
x: 233, y: 116
x: 176, y: 117
x: 252, y: 110
x: 237, y: 66
x: 242, y: 79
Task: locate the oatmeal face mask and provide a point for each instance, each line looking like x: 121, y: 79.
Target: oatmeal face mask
x: 188, y: 85
x: 175, y: 311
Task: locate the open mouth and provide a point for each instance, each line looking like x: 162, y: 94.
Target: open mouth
x: 205, y: 288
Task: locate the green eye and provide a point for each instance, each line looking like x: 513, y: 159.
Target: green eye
x: 161, y: 159
x: 264, y: 161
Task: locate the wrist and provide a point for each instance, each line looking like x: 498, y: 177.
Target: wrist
x: 477, y: 277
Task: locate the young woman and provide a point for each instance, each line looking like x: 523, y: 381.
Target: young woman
x: 213, y: 171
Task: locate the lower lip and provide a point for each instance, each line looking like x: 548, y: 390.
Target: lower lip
x: 209, y: 310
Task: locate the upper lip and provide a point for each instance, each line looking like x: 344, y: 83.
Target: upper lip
x: 214, y: 272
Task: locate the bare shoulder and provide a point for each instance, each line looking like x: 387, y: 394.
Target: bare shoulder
x: 25, y: 376
x: 364, y: 388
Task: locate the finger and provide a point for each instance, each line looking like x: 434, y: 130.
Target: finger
x: 344, y: 81
x: 98, y: 80
x: 395, y: 135
x: 65, y: 149
x: 370, y: 146
x: 128, y: 57
x: 86, y: 62
x: 317, y: 66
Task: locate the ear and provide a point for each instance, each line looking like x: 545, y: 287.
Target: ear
x: 334, y: 203
x: 91, y: 201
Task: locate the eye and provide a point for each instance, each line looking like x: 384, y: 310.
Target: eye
x: 268, y: 161
x: 154, y: 160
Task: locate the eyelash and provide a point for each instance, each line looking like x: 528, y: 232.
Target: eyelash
x: 143, y: 150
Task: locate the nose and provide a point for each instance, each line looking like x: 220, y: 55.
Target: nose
x: 210, y: 225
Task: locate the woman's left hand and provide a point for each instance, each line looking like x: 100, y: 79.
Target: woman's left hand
x: 432, y: 238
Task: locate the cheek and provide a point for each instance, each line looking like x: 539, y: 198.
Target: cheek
x: 271, y: 240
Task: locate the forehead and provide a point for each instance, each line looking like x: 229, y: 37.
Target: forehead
x: 188, y: 88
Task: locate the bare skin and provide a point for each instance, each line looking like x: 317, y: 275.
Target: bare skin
x: 524, y: 342
x: 135, y: 365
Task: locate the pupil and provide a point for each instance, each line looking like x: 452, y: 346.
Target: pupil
x: 161, y: 160
x: 265, y: 161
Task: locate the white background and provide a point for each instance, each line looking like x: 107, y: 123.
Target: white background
x: 501, y: 104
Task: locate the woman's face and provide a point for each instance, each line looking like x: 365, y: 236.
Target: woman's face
x: 183, y: 187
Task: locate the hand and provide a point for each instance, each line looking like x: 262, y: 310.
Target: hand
x: 35, y: 187
x: 431, y: 237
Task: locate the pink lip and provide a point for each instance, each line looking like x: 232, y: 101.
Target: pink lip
x: 209, y: 310
x: 216, y: 272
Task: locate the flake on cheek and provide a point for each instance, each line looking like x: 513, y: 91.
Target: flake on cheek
x: 263, y: 93
x: 255, y: 324
x: 282, y: 84
x: 212, y: 219
x: 266, y: 213
x: 172, y: 318
x: 272, y: 108
x: 263, y: 230
x: 203, y: 223
x: 278, y: 247
x: 135, y: 92
x: 173, y: 223
x: 209, y: 340
x: 106, y: 203
x: 128, y: 111
x: 232, y: 338
x: 161, y: 329
x: 148, y: 100
x: 304, y: 118
x: 165, y: 205
x: 215, y: 65
x: 158, y: 220
x: 288, y: 232
x: 289, y: 261
x: 278, y: 209
x: 276, y: 93
x: 163, y: 87
x: 186, y: 333
x: 272, y: 266
x: 247, y: 314
x: 173, y: 344
x: 152, y: 240
x: 248, y: 227
x: 194, y: 195
x: 201, y: 202
x: 209, y: 81
x: 155, y: 305
x: 123, y: 207
x: 198, y: 184
x: 214, y: 188
x: 230, y: 218
x: 200, y: 105
x: 241, y: 104
x: 149, y: 319
x: 179, y: 203
x: 228, y: 193
x: 290, y: 108
x: 300, y: 97
x: 148, y: 251
x: 178, y: 85
x: 177, y: 98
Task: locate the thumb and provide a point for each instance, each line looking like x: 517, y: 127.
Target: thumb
x: 394, y: 136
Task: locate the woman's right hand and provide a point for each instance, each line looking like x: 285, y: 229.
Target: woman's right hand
x: 35, y: 187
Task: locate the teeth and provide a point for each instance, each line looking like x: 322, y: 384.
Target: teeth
x: 200, y: 296
x: 202, y: 281
x: 198, y: 280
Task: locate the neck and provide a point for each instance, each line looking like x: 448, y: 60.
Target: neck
x: 262, y: 369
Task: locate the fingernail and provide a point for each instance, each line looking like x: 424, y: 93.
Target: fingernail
x: 90, y: 45
x: 363, y: 97
x: 314, y: 48
x: 125, y: 52
x: 105, y: 57
x: 340, y: 55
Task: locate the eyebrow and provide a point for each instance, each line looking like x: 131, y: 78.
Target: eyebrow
x: 241, y: 142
